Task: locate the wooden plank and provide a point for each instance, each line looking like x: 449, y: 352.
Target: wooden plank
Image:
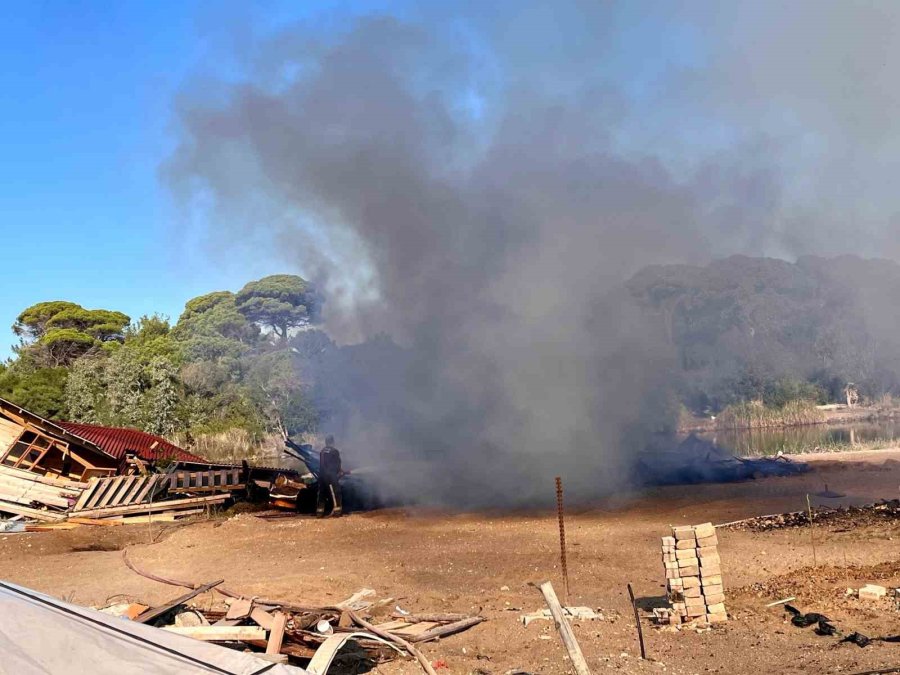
x: 106, y: 522
x: 441, y: 630
x: 239, y: 609
x: 86, y: 494
x: 130, y: 497
x: 276, y: 635
x: 109, y: 497
x: 10, y: 494
x: 565, y: 630
x: 125, y: 483
x: 157, y: 612
x: 167, y: 505
x: 39, y: 487
x: 48, y: 527
x: 33, y: 492
x: 147, y: 492
x: 262, y: 618
x: 415, y: 629
x: 103, y: 487
x: 166, y: 517
x: 46, y: 480
x: 37, y: 514
x: 219, y: 633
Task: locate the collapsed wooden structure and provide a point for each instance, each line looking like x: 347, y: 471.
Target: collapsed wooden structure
x: 54, y: 472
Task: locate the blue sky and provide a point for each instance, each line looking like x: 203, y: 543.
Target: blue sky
x: 85, y: 122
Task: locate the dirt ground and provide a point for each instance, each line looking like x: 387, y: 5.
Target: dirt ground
x: 487, y: 562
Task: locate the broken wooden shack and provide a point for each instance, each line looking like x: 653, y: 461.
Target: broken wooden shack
x: 52, y: 472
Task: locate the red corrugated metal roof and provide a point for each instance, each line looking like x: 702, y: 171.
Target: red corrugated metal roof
x: 117, y: 441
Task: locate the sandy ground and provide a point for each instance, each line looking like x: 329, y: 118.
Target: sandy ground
x: 464, y: 563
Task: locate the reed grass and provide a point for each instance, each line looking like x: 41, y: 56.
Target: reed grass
x: 756, y: 415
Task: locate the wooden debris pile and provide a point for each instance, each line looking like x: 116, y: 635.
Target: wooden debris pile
x: 849, y: 516
x: 60, y: 503
x: 286, y: 631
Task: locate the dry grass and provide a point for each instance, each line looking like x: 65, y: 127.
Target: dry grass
x: 755, y: 415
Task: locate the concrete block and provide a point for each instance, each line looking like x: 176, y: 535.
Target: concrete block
x: 710, y: 559
x: 694, y: 602
x: 717, y: 618
x: 691, y: 582
x: 686, y: 543
x: 707, y: 552
x: 689, y: 562
x: 712, y: 590
x: 872, y: 592
x: 704, y: 530
x: 710, y: 569
x: 708, y: 541
x: 712, y: 580
x: 683, y: 532
x: 673, y: 574
x: 683, y: 554
x: 714, y: 599
x: 696, y: 611
x: 673, y: 565
x: 692, y: 593
x: 718, y: 608
x: 686, y: 572
x: 668, y: 541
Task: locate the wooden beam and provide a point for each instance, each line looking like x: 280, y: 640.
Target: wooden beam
x: 156, y: 612
x: 37, y: 514
x: 276, y: 635
x: 166, y: 505
x: 565, y: 630
x: 106, y: 522
x: 46, y: 480
x: 219, y: 633
x: 86, y: 494
x: 447, y: 629
x: 262, y: 618
x: 165, y: 517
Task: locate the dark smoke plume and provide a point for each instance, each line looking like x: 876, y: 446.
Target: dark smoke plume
x: 477, y: 184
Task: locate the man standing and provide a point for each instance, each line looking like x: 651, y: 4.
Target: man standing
x: 329, y: 478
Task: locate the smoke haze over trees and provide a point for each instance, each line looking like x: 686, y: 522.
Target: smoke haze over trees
x: 477, y: 183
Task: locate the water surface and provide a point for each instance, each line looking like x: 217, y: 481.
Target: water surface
x: 791, y: 440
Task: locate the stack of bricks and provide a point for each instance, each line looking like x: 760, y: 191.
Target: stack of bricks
x: 694, y: 574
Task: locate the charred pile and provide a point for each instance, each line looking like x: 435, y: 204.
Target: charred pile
x: 696, y: 460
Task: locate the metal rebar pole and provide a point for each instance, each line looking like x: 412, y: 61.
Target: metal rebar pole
x: 562, y: 536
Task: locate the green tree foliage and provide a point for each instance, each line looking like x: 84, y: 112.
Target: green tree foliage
x: 279, y: 302
x: 211, y: 372
x: 279, y: 392
x: 58, y: 332
x: 41, y: 390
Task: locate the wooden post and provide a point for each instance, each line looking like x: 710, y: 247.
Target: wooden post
x: 637, y: 622
x: 562, y: 535
x: 565, y: 630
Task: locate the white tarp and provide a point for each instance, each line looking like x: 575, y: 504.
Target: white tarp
x: 40, y: 635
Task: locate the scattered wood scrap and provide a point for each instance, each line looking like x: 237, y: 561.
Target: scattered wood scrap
x: 565, y: 630
x: 285, y: 629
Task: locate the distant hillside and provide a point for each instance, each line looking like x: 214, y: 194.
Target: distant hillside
x: 741, y: 326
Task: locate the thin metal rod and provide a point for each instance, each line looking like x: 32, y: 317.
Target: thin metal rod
x: 562, y: 535
x: 637, y: 622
